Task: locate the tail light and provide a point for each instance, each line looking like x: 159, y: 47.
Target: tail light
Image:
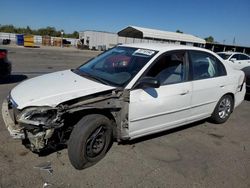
x: 3, y: 55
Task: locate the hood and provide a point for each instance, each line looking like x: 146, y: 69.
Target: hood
x: 54, y: 88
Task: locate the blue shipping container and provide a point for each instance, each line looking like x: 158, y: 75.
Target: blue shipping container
x: 19, y: 40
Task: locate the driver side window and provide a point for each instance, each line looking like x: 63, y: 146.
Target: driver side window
x: 170, y: 68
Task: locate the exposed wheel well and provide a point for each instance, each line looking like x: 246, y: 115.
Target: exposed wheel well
x: 72, y: 119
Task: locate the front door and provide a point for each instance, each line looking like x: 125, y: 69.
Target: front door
x: 156, y: 109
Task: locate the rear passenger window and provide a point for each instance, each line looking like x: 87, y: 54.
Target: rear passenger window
x: 244, y: 57
x: 205, y: 66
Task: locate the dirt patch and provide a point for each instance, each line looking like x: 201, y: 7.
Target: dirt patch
x: 23, y: 153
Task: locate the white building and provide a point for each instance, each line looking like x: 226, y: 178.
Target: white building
x: 100, y: 40
x: 104, y: 40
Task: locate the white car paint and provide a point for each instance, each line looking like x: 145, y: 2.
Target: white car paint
x: 150, y: 110
x: 234, y: 60
x: 155, y: 110
x: 54, y: 88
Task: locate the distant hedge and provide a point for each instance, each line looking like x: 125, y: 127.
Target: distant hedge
x: 51, y: 31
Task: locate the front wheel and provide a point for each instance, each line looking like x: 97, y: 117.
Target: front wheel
x: 223, y: 109
x: 89, y: 141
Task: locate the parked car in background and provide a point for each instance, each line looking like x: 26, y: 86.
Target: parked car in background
x: 246, y: 70
x: 6, y: 41
x: 124, y: 93
x: 236, y: 59
x: 5, y: 65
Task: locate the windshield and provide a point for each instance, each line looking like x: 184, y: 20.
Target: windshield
x: 224, y: 56
x: 117, y: 66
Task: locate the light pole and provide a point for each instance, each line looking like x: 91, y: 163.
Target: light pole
x: 62, y: 39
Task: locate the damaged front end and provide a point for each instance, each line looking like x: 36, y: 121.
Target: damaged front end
x: 39, y: 124
x: 45, y: 127
x: 33, y: 125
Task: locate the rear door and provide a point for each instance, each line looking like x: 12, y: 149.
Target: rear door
x: 209, y: 78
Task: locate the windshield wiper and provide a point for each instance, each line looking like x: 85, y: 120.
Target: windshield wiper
x: 82, y: 73
x: 98, y: 79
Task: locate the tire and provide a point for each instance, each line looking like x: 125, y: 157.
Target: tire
x: 90, y: 140
x: 223, y: 110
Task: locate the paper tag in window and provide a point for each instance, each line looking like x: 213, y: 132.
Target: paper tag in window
x: 144, y: 52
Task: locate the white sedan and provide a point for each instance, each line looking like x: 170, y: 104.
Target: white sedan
x: 236, y: 59
x: 127, y: 92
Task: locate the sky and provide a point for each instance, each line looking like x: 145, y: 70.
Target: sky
x: 222, y: 19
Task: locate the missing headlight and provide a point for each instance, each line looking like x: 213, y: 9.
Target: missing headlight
x: 38, y: 116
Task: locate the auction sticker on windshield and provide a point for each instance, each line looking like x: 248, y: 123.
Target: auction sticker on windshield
x: 144, y: 52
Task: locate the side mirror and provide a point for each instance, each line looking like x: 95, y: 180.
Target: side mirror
x: 148, y: 82
x: 233, y: 59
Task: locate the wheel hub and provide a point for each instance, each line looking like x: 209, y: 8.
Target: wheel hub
x: 224, y: 108
x: 96, y: 142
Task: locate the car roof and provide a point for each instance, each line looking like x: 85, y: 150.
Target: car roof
x: 230, y: 53
x: 163, y: 47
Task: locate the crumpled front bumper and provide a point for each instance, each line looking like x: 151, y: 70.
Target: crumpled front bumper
x: 14, y: 129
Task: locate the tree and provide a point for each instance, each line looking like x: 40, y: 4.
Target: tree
x: 51, y: 31
x: 178, y: 31
x: 75, y: 34
x: 7, y: 28
x: 28, y: 30
x: 209, y: 39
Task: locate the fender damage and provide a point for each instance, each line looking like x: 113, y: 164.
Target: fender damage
x: 46, y: 127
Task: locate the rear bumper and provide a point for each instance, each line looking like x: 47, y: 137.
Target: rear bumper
x: 240, y: 96
x: 15, y: 130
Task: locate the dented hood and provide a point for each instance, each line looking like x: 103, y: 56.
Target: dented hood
x: 53, y: 89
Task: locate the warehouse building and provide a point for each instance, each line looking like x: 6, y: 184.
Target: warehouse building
x: 161, y: 36
x: 99, y: 40
x: 216, y: 47
x: 104, y: 40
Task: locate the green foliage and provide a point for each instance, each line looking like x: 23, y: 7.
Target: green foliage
x: 209, y: 39
x: 51, y: 31
x: 178, y: 31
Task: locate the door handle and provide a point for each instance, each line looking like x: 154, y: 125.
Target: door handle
x: 222, y: 86
x: 184, y: 92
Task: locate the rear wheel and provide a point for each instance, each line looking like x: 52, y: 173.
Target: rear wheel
x: 89, y: 141
x: 223, y: 109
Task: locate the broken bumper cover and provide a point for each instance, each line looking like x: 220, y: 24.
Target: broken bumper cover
x: 15, y: 131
